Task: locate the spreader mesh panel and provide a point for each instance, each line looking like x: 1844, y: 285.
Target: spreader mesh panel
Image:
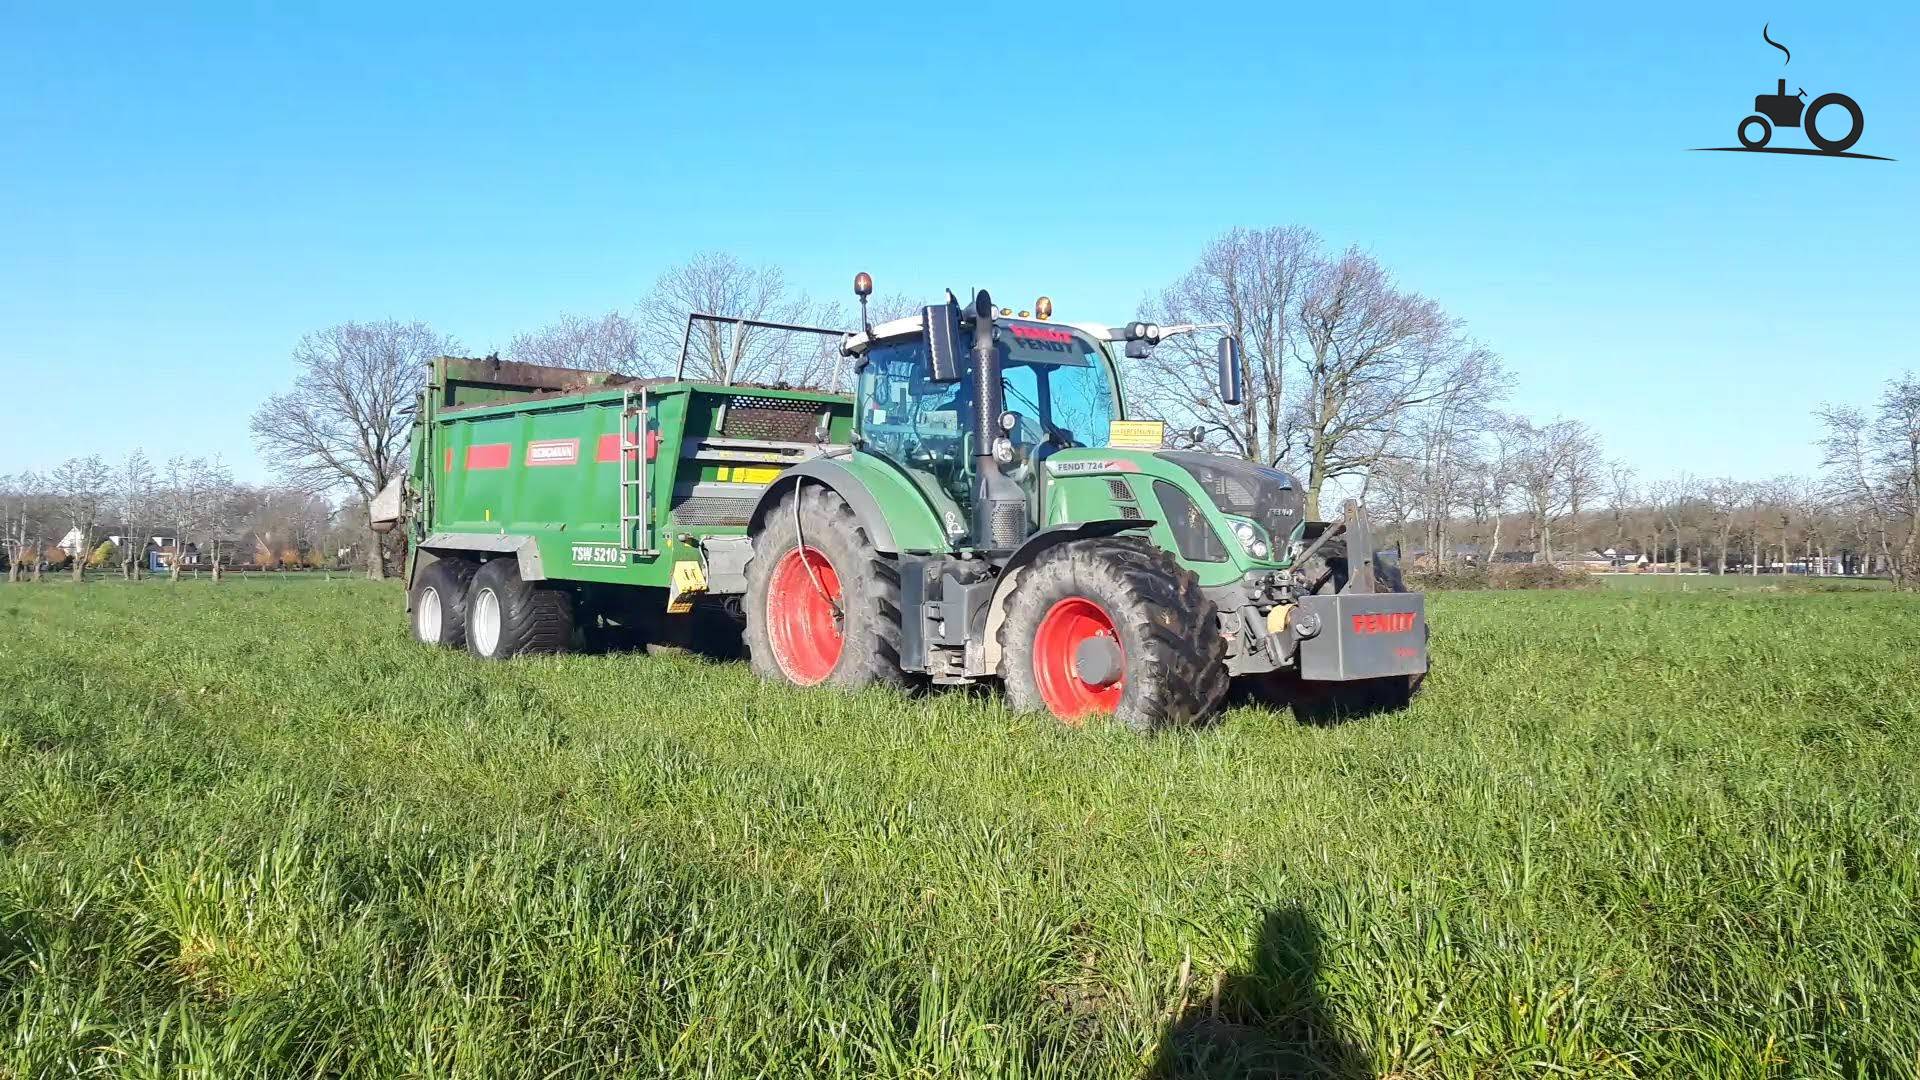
x: 778, y: 419
x: 712, y: 510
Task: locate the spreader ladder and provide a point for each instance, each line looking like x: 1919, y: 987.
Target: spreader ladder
x: 636, y: 505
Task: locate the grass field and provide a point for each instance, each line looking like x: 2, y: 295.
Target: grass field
x: 252, y: 830
x: 1789, y: 583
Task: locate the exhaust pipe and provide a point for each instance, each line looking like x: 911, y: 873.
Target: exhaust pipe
x: 999, y: 504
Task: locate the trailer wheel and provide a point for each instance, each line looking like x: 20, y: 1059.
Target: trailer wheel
x: 1113, y: 626
x: 507, y: 616
x: 439, y: 602
x: 828, y: 610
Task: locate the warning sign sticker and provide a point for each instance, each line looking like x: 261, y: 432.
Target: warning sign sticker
x: 1137, y: 434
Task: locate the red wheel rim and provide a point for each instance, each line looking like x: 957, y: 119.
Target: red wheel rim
x: 801, y: 622
x: 1062, y: 629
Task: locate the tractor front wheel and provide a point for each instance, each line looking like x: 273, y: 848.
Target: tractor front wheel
x: 822, y: 605
x: 1112, y: 627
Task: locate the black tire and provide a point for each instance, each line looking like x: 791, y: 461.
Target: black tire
x: 509, y: 617
x: 1173, y: 670
x: 1834, y: 146
x: 1766, y: 132
x: 437, y: 604
x: 864, y: 584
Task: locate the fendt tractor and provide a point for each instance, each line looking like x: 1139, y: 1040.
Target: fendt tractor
x: 980, y: 509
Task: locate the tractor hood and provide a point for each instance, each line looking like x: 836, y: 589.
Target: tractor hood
x: 1268, y: 497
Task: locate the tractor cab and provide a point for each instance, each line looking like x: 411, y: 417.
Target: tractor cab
x: 1059, y: 389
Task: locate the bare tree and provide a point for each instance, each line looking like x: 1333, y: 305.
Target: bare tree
x: 216, y: 494
x: 1677, y: 503
x: 27, y: 516
x: 287, y: 520
x: 1445, y: 447
x: 1556, y: 468
x: 1371, y: 355
x: 195, y: 496
x: 715, y: 283
x: 1724, y: 499
x: 1872, y: 462
x: 1623, y: 494
x: 133, y: 480
x: 1493, y: 488
x: 84, y: 486
x: 178, y: 506
x: 1250, y: 280
x: 610, y: 342
x: 344, y: 424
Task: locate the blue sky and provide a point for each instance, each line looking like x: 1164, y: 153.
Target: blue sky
x: 188, y: 189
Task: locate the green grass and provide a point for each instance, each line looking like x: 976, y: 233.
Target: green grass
x: 252, y: 830
x: 1796, y: 583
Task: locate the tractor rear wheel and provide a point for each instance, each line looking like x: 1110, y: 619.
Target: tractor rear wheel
x: 439, y: 602
x: 822, y: 604
x: 509, y: 616
x: 1113, y: 626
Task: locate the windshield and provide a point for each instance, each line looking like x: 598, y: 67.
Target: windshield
x: 1057, y: 380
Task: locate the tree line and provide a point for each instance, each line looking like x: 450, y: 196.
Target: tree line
x: 193, y: 504
x: 1354, y: 383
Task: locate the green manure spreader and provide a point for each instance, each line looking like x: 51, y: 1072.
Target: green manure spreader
x: 981, y: 508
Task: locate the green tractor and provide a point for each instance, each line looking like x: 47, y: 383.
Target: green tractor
x: 984, y: 524
x: 981, y: 509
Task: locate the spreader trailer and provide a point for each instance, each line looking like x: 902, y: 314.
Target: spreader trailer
x: 982, y: 508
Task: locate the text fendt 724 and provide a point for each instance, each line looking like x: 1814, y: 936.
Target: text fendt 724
x: 980, y: 509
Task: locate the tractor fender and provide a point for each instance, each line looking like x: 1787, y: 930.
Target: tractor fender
x: 1050, y: 537
x: 856, y: 487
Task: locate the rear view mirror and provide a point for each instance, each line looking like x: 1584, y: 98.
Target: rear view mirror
x: 940, y: 334
x: 1231, y: 376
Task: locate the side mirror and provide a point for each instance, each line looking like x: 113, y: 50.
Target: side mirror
x: 940, y: 334
x: 1138, y: 350
x: 1232, y: 377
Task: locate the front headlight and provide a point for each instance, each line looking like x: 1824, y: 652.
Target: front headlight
x: 1252, y: 540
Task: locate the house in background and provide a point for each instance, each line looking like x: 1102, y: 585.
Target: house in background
x: 120, y: 536
x: 1598, y: 562
x: 1462, y: 554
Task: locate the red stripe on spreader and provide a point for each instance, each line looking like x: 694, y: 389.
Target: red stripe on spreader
x: 449, y: 465
x: 490, y: 456
x: 608, y: 448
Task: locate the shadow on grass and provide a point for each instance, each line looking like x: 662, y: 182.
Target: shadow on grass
x: 1325, y: 704
x: 708, y: 631
x: 1266, y: 1021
